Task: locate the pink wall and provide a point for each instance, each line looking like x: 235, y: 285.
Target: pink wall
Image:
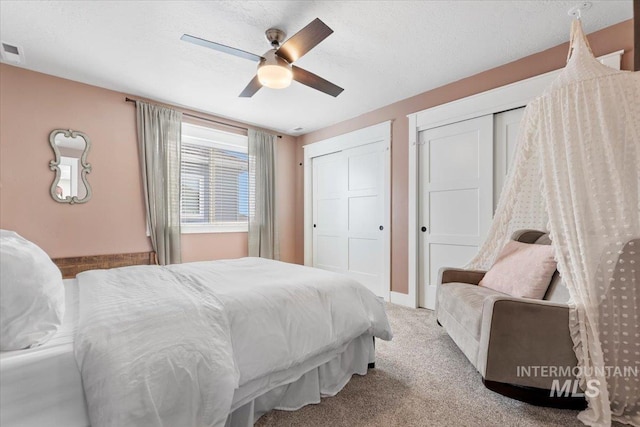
x: 616, y: 37
x: 33, y: 104
x: 113, y: 221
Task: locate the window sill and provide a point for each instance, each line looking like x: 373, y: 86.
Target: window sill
x: 207, y: 228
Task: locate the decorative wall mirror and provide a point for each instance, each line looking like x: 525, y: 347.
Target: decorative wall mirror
x: 70, y: 184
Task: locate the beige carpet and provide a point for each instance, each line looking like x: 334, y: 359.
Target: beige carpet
x: 421, y: 379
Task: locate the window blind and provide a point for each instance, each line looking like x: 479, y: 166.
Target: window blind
x: 215, y: 179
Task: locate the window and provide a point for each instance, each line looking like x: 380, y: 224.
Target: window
x: 215, y: 180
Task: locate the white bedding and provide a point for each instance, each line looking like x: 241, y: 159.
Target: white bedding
x: 41, y: 385
x: 155, y: 344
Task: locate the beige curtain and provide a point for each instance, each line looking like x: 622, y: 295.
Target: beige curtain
x: 263, y: 229
x: 159, y: 134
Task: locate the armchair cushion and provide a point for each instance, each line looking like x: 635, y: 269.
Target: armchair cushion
x: 464, y: 303
x: 459, y: 310
x: 522, y: 270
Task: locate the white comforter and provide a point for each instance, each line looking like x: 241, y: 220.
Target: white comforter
x: 167, y: 346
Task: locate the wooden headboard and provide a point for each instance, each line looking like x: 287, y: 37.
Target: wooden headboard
x: 74, y: 265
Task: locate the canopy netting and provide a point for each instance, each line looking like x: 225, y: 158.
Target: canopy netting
x: 576, y: 173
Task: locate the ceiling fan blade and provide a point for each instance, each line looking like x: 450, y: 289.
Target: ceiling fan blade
x: 253, y: 86
x: 304, y: 40
x: 221, y: 48
x: 316, y: 82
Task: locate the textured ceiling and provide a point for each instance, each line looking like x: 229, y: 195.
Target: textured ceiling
x: 380, y: 51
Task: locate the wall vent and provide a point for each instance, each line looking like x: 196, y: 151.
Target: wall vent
x: 12, y: 53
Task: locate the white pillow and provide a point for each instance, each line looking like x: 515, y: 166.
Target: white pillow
x: 31, y: 293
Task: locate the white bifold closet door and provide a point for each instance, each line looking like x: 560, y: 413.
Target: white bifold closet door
x: 456, y: 197
x: 349, y: 226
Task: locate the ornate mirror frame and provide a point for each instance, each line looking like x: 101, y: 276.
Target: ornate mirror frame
x: 54, y: 165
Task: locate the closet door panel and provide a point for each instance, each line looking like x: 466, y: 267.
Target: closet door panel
x: 456, y: 197
x: 363, y: 170
x: 364, y: 257
x: 453, y: 212
x: 330, y: 174
x: 360, y: 218
x: 365, y: 195
x: 350, y: 222
x: 329, y: 212
x: 453, y: 157
x: 327, y: 252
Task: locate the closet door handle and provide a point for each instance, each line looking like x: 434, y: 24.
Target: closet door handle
x: 381, y: 228
x: 423, y: 229
x: 314, y: 226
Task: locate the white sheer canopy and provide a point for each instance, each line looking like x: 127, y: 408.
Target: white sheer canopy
x: 577, y: 175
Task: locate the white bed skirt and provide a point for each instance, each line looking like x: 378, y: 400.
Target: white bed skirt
x: 324, y: 375
x: 327, y: 378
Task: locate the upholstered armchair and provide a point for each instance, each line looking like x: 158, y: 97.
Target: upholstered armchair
x: 509, y: 340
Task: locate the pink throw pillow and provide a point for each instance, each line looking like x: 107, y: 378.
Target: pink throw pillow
x: 522, y: 270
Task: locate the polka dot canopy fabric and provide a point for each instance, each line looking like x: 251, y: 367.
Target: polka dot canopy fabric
x: 577, y: 175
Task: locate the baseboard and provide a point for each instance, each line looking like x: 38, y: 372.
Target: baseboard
x: 402, y: 299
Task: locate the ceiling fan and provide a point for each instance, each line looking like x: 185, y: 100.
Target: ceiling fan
x: 275, y: 67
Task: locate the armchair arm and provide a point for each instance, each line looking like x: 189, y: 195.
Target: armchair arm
x: 460, y: 275
x: 521, y: 333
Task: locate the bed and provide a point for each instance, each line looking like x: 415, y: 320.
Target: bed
x: 292, y: 333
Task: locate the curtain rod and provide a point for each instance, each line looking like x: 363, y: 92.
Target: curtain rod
x: 127, y: 99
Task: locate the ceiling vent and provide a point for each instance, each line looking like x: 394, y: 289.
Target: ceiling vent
x: 12, y: 53
x: 298, y: 129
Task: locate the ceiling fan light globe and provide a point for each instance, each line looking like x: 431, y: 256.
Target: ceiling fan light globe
x: 275, y: 76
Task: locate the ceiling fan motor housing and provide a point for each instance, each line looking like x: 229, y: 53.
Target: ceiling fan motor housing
x: 275, y: 37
